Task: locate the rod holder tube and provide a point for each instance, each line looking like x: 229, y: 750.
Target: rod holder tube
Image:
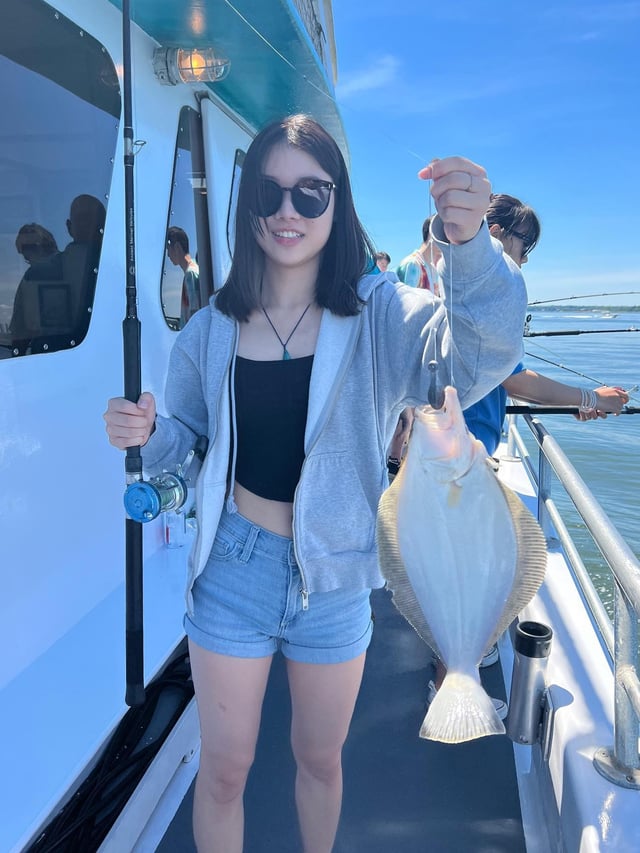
x: 528, y: 681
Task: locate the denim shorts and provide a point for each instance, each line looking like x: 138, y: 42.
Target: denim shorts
x: 248, y: 602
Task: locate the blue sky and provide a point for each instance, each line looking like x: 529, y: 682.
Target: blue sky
x: 545, y: 96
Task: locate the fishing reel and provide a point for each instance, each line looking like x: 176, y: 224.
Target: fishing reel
x: 144, y: 500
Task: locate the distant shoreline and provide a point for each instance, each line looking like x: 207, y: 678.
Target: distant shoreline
x: 587, y: 309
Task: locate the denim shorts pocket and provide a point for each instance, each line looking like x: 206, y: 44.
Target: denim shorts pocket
x: 225, y: 546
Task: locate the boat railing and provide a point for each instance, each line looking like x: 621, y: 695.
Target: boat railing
x: 620, y: 763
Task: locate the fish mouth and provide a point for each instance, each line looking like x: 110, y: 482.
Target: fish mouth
x: 442, y: 438
x: 443, y: 418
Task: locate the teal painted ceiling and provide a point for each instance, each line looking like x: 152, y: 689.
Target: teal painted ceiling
x: 261, y: 85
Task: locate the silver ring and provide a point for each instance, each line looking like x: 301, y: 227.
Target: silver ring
x: 468, y: 189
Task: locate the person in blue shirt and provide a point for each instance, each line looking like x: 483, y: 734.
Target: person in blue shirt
x: 517, y: 227
x: 419, y: 268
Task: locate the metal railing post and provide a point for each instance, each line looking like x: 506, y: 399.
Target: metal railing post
x: 619, y: 763
x: 512, y: 421
x: 544, y: 485
x: 626, y: 658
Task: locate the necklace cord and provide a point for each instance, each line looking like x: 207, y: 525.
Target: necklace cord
x: 283, y: 344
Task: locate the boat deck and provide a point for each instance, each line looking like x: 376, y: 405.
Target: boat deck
x: 401, y: 793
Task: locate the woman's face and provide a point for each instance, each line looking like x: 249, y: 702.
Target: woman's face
x: 288, y: 239
x: 512, y: 244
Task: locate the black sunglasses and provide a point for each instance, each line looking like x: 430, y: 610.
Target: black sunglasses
x: 310, y: 197
x: 526, y: 246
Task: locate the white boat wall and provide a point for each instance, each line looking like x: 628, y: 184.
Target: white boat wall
x: 62, y: 678
x: 62, y: 574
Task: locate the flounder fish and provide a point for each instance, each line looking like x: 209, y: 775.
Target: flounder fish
x: 462, y: 556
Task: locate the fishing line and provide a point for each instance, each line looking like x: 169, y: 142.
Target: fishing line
x: 453, y: 384
x: 327, y: 95
x: 381, y: 131
x: 571, y: 370
x: 395, y: 142
x: 444, y: 291
x: 435, y: 395
x: 559, y: 363
x: 585, y: 296
x: 403, y: 147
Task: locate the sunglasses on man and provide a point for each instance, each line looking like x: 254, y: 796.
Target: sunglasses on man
x: 310, y: 197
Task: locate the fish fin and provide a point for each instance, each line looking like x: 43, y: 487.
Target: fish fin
x: 392, y: 565
x: 460, y: 711
x: 531, y: 563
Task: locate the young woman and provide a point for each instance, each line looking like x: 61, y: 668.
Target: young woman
x: 297, y: 372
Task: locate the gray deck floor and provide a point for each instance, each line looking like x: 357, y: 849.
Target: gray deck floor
x: 401, y: 794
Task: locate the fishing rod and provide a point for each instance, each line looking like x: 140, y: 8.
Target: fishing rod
x: 585, y: 296
x: 134, y: 637
x: 576, y: 373
x: 561, y: 410
x: 528, y: 334
x: 565, y: 367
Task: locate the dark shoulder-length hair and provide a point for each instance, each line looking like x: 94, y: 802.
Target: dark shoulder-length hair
x: 511, y: 214
x: 348, y: 253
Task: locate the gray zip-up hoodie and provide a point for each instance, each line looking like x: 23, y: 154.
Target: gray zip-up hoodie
x: 366, y: 369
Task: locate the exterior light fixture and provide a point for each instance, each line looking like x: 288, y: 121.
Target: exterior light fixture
x: 173, y: 65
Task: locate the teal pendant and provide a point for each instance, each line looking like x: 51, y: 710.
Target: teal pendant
x: 285, y: 355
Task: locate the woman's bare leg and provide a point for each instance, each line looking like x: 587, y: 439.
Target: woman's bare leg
x: 323, y: 697
x: 229, y: 692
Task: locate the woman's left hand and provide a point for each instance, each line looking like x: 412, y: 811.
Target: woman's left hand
x: 461, y: 191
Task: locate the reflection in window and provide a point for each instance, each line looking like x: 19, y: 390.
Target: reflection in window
x: 233, y: 201
x: 186, y: 272
x: 55, y: 170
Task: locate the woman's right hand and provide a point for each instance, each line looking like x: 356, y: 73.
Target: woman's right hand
x: 130, y: 424
x: 461, y: 191
x: 610, y: 399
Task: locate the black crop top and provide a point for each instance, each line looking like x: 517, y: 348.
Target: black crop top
x: 271, y: 415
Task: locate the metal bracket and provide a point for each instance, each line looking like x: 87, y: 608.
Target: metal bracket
x: 546, y: 734
x: 606, y: 764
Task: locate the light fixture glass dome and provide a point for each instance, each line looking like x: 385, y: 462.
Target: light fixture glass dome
x: 173, y: 65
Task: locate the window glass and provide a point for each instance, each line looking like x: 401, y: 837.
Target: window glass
x: 61, y: 106
x: 186, y: 272
x: 233, y: 201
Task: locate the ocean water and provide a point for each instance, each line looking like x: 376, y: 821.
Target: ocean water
x: 606, y: 453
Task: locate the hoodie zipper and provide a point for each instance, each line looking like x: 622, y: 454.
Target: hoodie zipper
x: 197, y: 551
x: 230, y: 500
x: 328, y: 406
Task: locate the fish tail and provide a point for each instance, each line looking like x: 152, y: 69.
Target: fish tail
x: 461, y: 710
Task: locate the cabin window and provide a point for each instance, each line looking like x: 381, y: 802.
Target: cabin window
x: 187, y: 282
x: 233, y: 200
x: 61, y: 103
